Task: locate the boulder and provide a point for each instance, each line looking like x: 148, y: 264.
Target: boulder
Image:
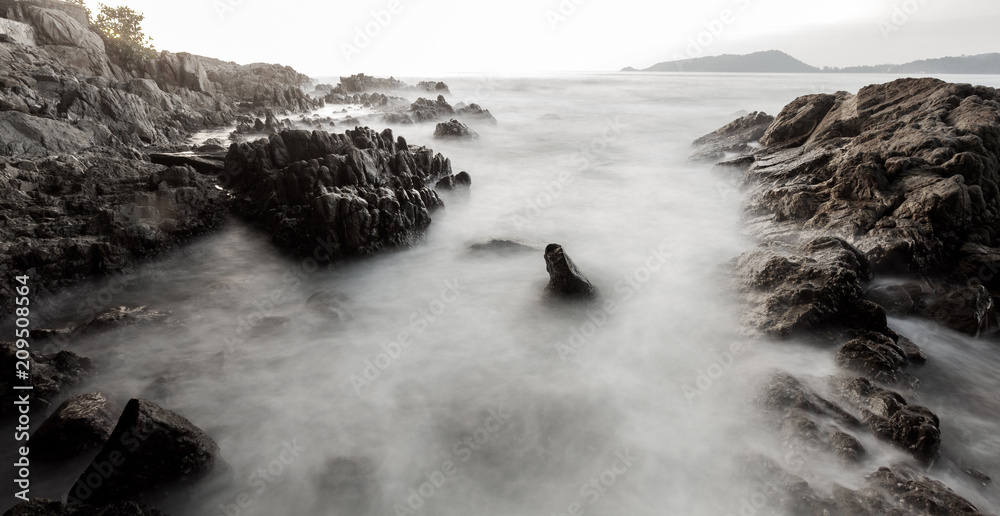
x: 82, y: 423
x: 565, y: 281
x: 969, y: 310
x: 154, y: 452
x: 461, y: 181
x: 453, y: 129
x: 734, y: 137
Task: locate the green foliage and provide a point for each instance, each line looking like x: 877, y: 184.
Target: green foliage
x: 121, y: 29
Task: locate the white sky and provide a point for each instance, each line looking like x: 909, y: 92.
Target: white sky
x: 429, y: 37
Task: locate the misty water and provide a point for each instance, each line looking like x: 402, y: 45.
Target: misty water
x: 502, y: 403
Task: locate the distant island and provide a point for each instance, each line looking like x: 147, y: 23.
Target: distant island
x: 775, y: 61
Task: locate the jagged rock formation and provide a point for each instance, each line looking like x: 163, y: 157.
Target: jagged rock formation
x: 899, y: 179
x: 345, y: 195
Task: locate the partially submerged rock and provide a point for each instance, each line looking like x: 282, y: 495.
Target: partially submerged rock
x: 50, y: 375
x: 564, y: 279
x: 152, y: 453
x: 453, y: 129
x: 735, y: 137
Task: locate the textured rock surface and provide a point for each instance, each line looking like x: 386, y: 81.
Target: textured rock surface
x: 333, y: 196
x: 565, y: 280
x: 735, y: 137
x: 154, y: 452
x: 82, y: 423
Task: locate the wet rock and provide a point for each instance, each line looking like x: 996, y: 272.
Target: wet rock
x: 917, y: 494
x: 564, y: 279
x: 122, y: 316
x: 82, y: 423
x: 817, y: 284
x: 50, y: 375
x: 981, y: 478
x: 43, y: 507
x: 453, y: 129
x: 152, y: 452
x: 912, y: 428
x: 425, y: 110
x: 913, y: 353
x: 847, y: 447
x: 969, y: 310
x: 797, y: 121
x: 874, y: 355
x: 474, y: 111
x: 735, y: 137
x: 895, y: 299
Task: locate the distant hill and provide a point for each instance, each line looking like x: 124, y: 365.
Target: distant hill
x: 978, y: 64
x: 774, y: 61
x: 771, y: 61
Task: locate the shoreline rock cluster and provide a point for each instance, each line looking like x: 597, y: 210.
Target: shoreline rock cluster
x: 897, y: 181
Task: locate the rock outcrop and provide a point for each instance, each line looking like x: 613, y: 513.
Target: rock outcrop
x: 454, y: 130
x: 82, y: 423
x: 900, y: 179
x: 336, y: 195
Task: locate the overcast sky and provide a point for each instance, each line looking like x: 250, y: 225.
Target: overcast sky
x: 428, y: 37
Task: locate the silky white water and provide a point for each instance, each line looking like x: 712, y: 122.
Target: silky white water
x: 501, y: 403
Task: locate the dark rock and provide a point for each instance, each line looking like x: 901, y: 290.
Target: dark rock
x: 43, y: 507
x: 969, y: 310
x: 874, y: 355
x: 475, y: 111
x: 912, y: 428
x: 460, y: 181
x: 199, y: 163
x: 454, y: 129
x: 332, y: 196
x: 154, y: 453
x: 503, y: 245
x: 847, y: 447
x: 981, y: 478
x: 798, y: 288
x: 564, y: 278
x: 50, y: 375
x: 82, y: 423
x: 917, y: 494
x: 122, y: 316
x: 913, y: 353
x: 735, y: 137
x: 895, y: 299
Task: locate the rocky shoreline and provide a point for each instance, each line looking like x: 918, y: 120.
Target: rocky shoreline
x: 897, y: 182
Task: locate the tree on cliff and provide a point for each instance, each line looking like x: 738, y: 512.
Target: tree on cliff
x: 121, y: 29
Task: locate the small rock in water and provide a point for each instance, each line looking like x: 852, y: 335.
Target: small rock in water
x: 564, y: 278
x: 454, y: 129
x: 502, y: 245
